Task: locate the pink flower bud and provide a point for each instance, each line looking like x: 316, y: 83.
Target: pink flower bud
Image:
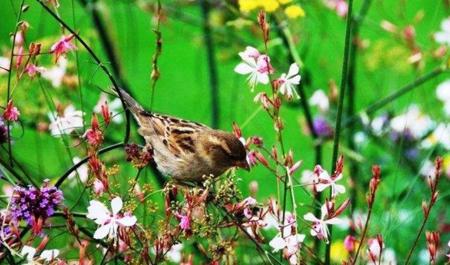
x: 11, y: 112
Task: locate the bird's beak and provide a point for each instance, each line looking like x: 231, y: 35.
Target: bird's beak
x: 243, y: 165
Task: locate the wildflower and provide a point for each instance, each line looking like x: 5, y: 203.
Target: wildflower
x: 94, y: 135
x: 324, y: 180
x: 32, y: 70
x: 109, y: 222
x: 443, y: 36
x: 294, y: 11
x: 174, y: 254
x: 337, y: 252
x: 413, y: 123
x: 114, y: 106
x: 287, y: 82
x: 99, y: 188
x: 35, y: 205
x: 185, y: 222
x: 443, y: 94
x: 319, y: 227
x: 4, y: 65
x: 269, y: 5
x: 322, y: 128
x: 320, y: 99
x: 11, y: 112
x: 433, y: 239
x: 63, y: 46
x: 440, y: 135
x: 350, y: 243
x: 290, y: 245
x: 340, y: 6
x: 56, y: 73
x: 66, y: 123
x: 46, y: 255
x: 82, y: 171
x: 375, y: 247
x: 256, y: 65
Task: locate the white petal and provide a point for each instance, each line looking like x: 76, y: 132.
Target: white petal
x: 322, y: 186
x: 277, y: 243
x: 333, y: 221
x: 295, y: 80
x: 103, y: 231
x: 127, y: 220
x: 293, y: 70
x: 49, y: 255
x: 98, y: 212
x: 243, y: 69
x: 29, y: 252
x: 116, y: 205
x: 310, y: 217
x: 443, y: 91
x: 263, y: 78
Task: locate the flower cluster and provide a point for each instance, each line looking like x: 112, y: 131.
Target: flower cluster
x: 35, y: 205
x: 290, y: 10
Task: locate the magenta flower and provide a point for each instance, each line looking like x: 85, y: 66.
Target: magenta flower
x: 32, y: 70
x: 185, y: 222
x: 11, y: 112
x: 63, y: 46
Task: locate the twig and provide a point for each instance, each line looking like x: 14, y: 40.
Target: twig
x: 212, y: 66
x: 158, y: 49
x: 344, y: 79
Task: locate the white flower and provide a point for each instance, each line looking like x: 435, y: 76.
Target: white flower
x: 427, y: 169
x: 174, y: 254
x: 254, y: 64
x: 319, y: 227
x: 443, y: 36
x: 115, y: 106
x: 67, y: 123
x: 109, y: 223
x: 56, y: 73
x: 288, y: 82
x: 378, y: 125
x: 82, y: 171
x: 4, y: 65
x: 440, y: 135
x: 320, y: 99
x: 47, y: 255
x: 443, y: 94
x: 324, y: 181
x: 413, y: 122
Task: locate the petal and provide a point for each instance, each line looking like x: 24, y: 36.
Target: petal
x: 321, y: 187
x: 29, y: 252
x: 127, y: 220
x: 97, y: 211
x: 295, y: 80
x: 333, y: 221
x: 262, y: 78
x: 310, y: 217
x: 102, y: 231
x: 49, y: 255
x: 243, y: 69
x: 116, y: 205
x: 277, y: 243
x: 293, y: 70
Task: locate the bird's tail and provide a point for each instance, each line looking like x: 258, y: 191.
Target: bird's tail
x: 129, y: 101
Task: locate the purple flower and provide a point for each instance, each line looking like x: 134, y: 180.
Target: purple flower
x: 35, y: 205
x: 322, y: 127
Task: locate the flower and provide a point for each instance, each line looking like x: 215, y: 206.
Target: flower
x: 185, y: 222
x: 35, y: 205
x: 174, y: 254
x: 290, y: 244
x: 374, y: 249
x: 62, y: 46
x: 350, y: 243
x: 115, y: 106
x: 294, y: 11
x: 412, y: 123
x: 32, y: 70
x: 11, y: 112
x: 99, y: 187
x: 46, y: 255
x: 109, y: 222
x: 248, y: 5
x: 319, y: 227
x: 67, y: 123
x: 440, y: 135
x: 269, y: 5
x: 287, y: 82
x: 443, y: 94
x: 340, y: 6
x: 320, y: 99
x: 256, y: 65
x: 93, y: 135
x: 322, y: 128
x: 4, y: 65
x: 338, y: 252
x: 443, y: 36
x: 82, y: 171
x: 324, y: 180
x: 56, y: 73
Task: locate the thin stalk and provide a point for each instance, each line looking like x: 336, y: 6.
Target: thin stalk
x: 344, y: 80
x: 363, y: 236
x: 212, y: 65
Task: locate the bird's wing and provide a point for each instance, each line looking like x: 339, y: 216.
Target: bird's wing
x: 177, y: 135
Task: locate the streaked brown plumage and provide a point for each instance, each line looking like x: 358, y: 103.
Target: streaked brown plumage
x: 186, y: 150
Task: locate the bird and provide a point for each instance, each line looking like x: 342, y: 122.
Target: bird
x: 186, y: 150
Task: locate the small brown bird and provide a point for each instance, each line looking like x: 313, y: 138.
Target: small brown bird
x: 187, y: 150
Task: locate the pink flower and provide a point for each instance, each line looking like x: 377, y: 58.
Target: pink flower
x: 32, y: 70
x: 256, y: 65
x: 324, y: 180
x: 63, y: 46
x: 350, y: 243
x: 319, y: 227
x: 185, y: 222
x: 11, y: 112
x: 375, y: 246
x: 94, y: 135
x: 99, y: 188
x: 290, y: 245
x: 287, y: 82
